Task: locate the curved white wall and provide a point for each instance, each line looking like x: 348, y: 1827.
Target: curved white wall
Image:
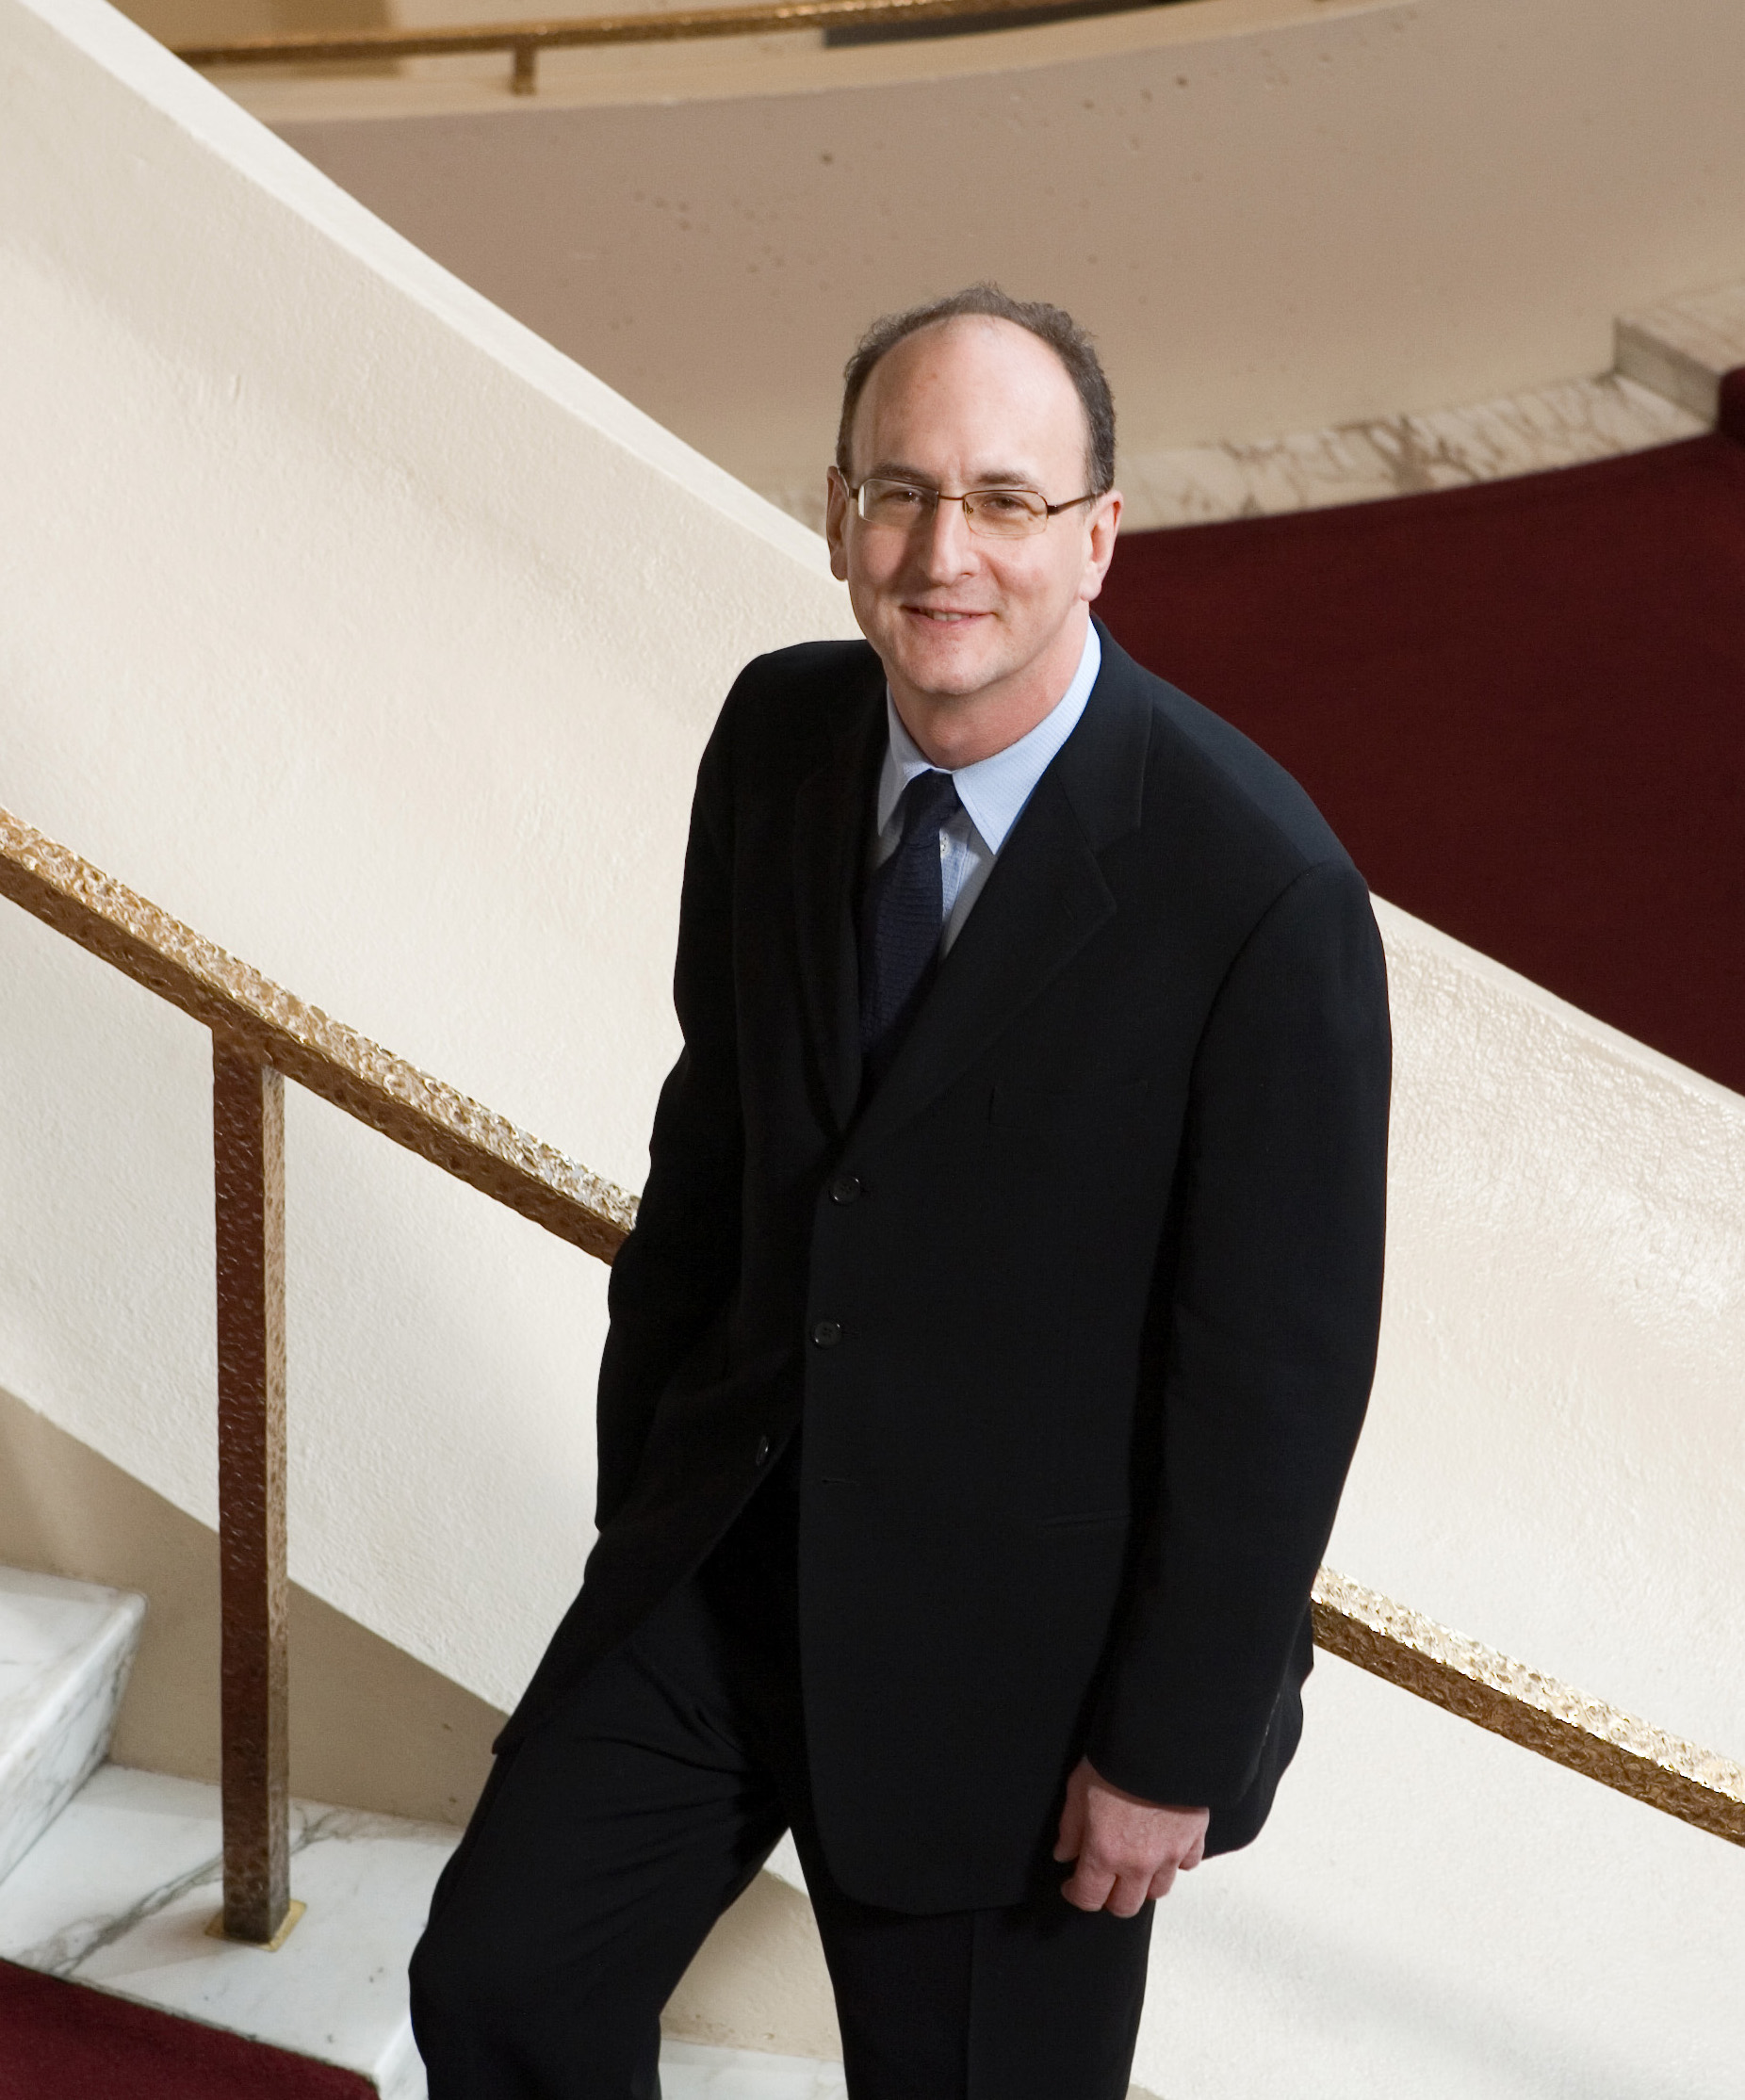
x: 1552, y: 1463
x: 368, y: 634
x: 1275, y: 215
x: 359, y: 628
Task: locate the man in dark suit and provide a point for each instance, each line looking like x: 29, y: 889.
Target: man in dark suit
x: 987, y: 1357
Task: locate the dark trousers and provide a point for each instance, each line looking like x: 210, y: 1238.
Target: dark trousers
x: 612, y: 1837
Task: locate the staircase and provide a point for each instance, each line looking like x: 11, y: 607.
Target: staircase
x: 65, y: 1651
x: 111, y: 1877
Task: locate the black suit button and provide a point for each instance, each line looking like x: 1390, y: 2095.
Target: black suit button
x: 826, y: 1334
x: 764, y: 1448
x: 845, y: 1189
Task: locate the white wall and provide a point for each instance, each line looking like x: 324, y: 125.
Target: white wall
x: 1275, y: 215
x: 354, y: 625
x: 1552, y: 1463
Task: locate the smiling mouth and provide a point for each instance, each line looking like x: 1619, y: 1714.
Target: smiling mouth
x: 942, y: 616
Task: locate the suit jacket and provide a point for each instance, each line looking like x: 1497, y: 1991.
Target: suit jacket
x: 1078, y: 1310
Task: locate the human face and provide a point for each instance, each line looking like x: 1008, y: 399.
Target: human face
x: 979, y: 637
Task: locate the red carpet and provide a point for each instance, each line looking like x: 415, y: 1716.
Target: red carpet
x: 1522, y: 707
x: 58, y: 2041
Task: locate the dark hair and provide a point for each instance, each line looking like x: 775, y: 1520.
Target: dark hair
x: 1052, y: 325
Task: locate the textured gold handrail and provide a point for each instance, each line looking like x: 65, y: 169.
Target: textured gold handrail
x: 429, y: 1118
x: 1477, y: 1684
x: 272, y: 1027
x: 526, y: 39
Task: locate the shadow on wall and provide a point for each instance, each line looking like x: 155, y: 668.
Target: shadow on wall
x: 759, y: 1981
x: 371, y: 1727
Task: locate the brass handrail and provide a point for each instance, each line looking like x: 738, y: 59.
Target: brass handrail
x: 260, y: 1032
x: 276, y: 1028
x: 1541, y: 1715
x: 524, y: 41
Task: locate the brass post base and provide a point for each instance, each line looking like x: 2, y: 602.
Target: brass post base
x: 216, y: 1930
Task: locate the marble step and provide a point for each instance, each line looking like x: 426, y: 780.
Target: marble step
x: 700, y: 2071
x: 1685, y: 346
x: 118, y: 1893
x: 65, y: 1651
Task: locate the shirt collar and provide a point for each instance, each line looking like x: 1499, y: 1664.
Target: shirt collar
x: 993, y: 790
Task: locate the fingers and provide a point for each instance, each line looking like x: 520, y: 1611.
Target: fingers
x: 1122, y: 1886
x: 1127, y: 1899
x: 1099, y: 1888
x: 1128, y: 1850
x: 1089, y: 1887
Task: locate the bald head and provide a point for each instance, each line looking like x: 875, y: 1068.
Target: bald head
x: 1052, y: 325
x: 1010, y: 405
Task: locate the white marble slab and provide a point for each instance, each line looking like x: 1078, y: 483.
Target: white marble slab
x: 1402, y: 455
x: 65, y: 1651
x: 119, y: 1892
x: 1683, y: 346
x: 695, y: 2071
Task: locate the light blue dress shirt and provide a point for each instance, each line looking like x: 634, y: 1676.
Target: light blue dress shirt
x: 993, y: 792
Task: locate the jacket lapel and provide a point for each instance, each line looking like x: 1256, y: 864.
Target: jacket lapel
x: 1046, y: 897
x: 832, y: 811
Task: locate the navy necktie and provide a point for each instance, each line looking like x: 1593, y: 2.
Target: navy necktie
x: 901, y: 918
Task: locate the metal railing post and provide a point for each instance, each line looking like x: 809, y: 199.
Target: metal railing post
x: 248, y: 1143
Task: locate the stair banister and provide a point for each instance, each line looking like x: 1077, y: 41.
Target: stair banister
x: 261, y: 1033
x: 524, y: 41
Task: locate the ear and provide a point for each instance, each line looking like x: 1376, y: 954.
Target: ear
x: 835, y: 522
x: 1105, y: 523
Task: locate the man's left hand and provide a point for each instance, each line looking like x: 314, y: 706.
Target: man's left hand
x: 1128, y: 1849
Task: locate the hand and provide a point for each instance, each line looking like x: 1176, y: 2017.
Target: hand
x: 1128, y: 1850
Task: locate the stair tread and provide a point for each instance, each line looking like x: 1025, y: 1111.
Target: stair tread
x: 118, y: 1893
x: 65, y: 1650
x: 49, y: 1626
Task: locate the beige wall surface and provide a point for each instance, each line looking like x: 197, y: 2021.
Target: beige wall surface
x: 357, y: 628
x: 1274, y: 217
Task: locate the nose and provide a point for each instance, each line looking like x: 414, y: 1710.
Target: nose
x: 947, y: 547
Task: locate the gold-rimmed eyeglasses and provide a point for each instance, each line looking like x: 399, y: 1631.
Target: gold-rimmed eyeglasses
x: 1003, y: 514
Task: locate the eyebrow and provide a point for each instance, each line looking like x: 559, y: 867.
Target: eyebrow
x: 995, y: 477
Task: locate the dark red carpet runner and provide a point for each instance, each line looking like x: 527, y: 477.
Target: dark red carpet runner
x: 60, y: 2041
x: 1521, y: 705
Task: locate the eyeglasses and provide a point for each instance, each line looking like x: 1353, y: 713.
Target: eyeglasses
x: 992, y: 514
